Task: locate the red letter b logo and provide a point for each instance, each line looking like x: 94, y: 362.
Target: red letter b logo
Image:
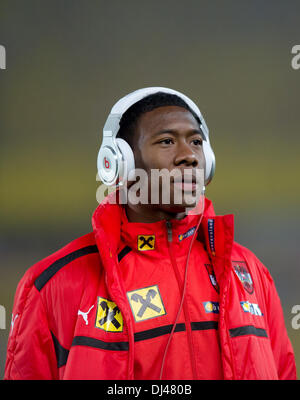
x: 106, y: 163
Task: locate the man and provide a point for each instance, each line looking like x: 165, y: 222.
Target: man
x: 155, y: 291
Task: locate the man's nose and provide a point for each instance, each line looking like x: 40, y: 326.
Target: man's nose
x: 185, y: 155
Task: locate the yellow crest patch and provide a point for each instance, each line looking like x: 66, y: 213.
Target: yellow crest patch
x: 146, y: 303
x: 108, y: 316
x: 146, y: 242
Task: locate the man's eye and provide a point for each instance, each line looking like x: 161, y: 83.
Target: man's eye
x: 197, y: 142
x: 166, y: 141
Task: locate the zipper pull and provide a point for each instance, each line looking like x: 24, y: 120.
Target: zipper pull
x: 169, y: 230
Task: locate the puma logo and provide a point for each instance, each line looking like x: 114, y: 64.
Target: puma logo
x: 84, y: 315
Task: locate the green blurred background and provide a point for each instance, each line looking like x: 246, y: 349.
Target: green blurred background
x: 69, y: 61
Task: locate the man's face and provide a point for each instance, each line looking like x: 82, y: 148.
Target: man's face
x: 170, y: 138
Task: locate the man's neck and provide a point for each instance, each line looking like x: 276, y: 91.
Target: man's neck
x: 146, y: 214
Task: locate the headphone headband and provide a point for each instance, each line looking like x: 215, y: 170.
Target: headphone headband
x: 112, y: 123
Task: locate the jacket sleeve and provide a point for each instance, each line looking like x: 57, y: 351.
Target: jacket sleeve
x: 30, y: 350
x: 280, y: 342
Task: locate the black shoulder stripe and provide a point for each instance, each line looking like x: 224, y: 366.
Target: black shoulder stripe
x: 204, y: 325
x: 165, y: 329
x: 46, y: 275
x: 248, y: 330
x: 124, y: 252
x: 60, y: 351
x: 159, y: 331
x: 143, y: 335
x: 99, y: 344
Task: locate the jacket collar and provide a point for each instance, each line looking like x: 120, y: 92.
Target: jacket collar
x: 215, y: 231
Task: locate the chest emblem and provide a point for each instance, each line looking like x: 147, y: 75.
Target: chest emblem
x: 108, y: 316
x: 146, y: 242
x: 242, y: 272
x: 146, y: 303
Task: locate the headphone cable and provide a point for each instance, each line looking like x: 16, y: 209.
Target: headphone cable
x: 184, y: 288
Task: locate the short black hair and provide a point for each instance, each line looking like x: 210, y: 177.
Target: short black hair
x: 148, y: 103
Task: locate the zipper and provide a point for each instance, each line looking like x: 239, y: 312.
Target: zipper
x: 185, y: 307
x: 169, y: 231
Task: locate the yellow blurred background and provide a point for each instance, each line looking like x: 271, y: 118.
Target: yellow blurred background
x: 69, y: 61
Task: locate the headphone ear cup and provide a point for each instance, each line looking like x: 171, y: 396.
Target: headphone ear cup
x: 107, y: 164
x: 127, y: 164
x: 210, y: 162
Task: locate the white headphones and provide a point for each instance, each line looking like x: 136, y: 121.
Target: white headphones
x: 115, y: 158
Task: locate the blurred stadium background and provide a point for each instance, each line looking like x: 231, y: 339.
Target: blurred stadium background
x: 69, y: 61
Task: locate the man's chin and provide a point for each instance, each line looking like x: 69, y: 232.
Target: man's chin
x: 177, y: 208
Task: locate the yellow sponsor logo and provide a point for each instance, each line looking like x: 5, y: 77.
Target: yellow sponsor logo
x: 146, y: 242
x: 251, y: 308
x: 146, y: 303
x: 211, y: 307
x: 208, y: 306
x: 108, y: 316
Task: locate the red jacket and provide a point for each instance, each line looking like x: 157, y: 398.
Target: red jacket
x: 103, y: 306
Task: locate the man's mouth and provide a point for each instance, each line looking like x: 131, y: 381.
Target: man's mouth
x: 186, y: 182
x: 186, y: 186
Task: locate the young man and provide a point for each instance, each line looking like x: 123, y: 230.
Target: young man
x: 152, y: 292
